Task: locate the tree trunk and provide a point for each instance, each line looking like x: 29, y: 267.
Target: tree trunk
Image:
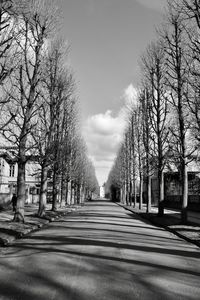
x: 127, y: 194
x: 72, y: 193
x: 135, y: 192
x: 69, y: 198
x: 66, y: 193
x: 21, y: 191
x: 82, y: 193
x: 63, y: 190
x: 131, y: 193
x: 148, y: 193
x: 78, y: 193
x: 160, y: 193
x: 55, y: 190
x: 122, y: 194
x: 141, y: 191
x: 86, y: 194
x: 43, y: 192
x: 184, y: 194
x: 75, y: 193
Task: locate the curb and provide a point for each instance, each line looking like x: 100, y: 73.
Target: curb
x: 196, y: 243
x: 5, y: 242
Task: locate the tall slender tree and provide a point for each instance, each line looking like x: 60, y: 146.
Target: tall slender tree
x: 36, y: 22
x: 177, y: 72
x: 154, y: 70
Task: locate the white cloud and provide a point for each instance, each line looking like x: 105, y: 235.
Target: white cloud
x: 153, y: 4
x: 130, y: 95
x: 103, y: 133
x: 104, y: 124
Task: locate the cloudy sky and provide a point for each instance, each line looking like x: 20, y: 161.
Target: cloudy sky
x: 106, y: 39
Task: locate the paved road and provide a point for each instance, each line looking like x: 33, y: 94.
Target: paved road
x: 100, y: 252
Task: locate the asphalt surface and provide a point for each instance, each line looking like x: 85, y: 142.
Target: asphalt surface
x: 100, y: 252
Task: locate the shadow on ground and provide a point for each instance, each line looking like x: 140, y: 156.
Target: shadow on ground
x: 99, y: 255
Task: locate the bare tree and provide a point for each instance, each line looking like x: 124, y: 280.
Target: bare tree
x: 134, y: 160
x: 6, y: 39
x: 140, y: 151
x: 35, y: 25
x: 177, y: 72
x: 190, y: 10
x: 68, y: 131
x: 8, y: 33
x: 115, y: 181
x: 146, y: 132
x: 65, y: 88
x: 91, y: 185
x: 154, y: 72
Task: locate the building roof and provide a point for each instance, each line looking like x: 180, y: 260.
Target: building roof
x: 8, y: 155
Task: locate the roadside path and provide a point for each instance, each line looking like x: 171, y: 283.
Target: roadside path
x: 10, y: 230
x: 100, y: 252
x: 172, y: 221
x: 192, y: 215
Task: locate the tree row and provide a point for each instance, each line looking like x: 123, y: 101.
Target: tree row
x: 39, y: 106
x: 163, y: 124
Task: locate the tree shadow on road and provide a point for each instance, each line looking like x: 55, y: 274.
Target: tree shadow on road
x: 119, y: 231
x: 106, y: 254
x: 113, y: 260
x: 61, y: 280
x: 51, y: 243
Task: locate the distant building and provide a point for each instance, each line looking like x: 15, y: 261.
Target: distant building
x: 102, y: 191
x: 8, y: 177
x: 173, y: 187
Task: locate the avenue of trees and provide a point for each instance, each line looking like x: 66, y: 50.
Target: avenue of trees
x: 38, y: 104
x: 163, y: 127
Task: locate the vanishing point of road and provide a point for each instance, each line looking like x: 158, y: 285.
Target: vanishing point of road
x: 100, y: 252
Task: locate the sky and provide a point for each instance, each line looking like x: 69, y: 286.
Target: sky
x: 107, y: 38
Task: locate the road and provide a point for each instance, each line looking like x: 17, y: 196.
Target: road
x: 100, y: 252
